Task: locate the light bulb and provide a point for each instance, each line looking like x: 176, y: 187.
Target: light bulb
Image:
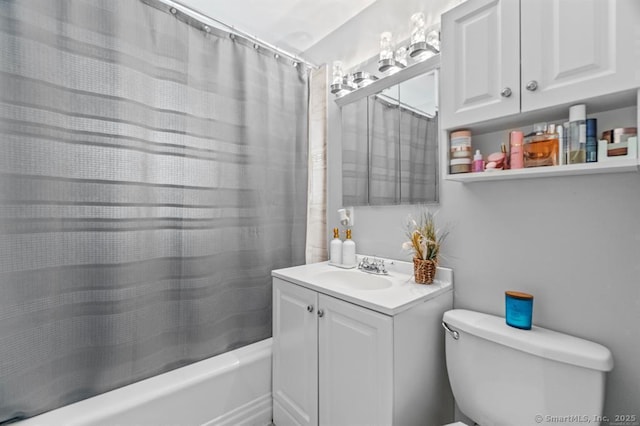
x: 386, y: 47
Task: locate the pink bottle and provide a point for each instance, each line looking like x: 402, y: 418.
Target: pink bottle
x: 478, y: 162
x: 515, y: 141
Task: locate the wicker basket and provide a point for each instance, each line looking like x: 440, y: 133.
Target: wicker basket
x: 424, y: 270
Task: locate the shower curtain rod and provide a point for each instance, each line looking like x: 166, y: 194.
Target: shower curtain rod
x: 393, y: 102
x: 205, y: 21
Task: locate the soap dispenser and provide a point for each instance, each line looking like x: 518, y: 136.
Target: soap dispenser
x: 348, y: 250
x: 335, y: 253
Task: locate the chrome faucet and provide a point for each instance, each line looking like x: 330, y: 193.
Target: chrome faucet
x: 376, y: 266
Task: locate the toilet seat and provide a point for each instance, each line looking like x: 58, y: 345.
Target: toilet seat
x: 456, y: 424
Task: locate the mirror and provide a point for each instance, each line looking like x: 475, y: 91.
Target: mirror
x: 390, y: 145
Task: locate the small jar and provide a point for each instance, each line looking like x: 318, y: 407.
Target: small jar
x: 461, y: 153
x: 460, y: 140
x: 460, y: 165
x: 518, y: 309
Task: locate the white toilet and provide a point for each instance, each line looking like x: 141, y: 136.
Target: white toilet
x: 504, y: 376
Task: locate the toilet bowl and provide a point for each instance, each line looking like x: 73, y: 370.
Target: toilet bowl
x: 502, y: 375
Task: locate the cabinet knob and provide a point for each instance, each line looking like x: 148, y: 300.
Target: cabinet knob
x: 320, y: 313
x: 309, y: 308
x: 506, y: 92
x: 532, y: 86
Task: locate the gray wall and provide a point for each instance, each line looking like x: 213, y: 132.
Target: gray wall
x: 573, y: 242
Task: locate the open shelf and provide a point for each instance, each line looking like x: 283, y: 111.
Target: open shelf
x: 613, y: 166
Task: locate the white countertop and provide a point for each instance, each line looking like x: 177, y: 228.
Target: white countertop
x: 403, y: 293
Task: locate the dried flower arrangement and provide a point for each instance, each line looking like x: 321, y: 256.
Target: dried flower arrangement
x: 425, y: 242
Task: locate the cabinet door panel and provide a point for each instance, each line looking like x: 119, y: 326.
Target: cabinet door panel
x: 295, y: 355
x: 356, y: 360
x: 577, y: 49
x: 480, y: 58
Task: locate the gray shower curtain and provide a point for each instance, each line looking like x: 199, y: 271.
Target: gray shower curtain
x: 152, y: 174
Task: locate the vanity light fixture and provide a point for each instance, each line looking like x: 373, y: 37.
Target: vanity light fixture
x: 418, y: 42
x: 401, y: 56
x: 362, y: 78
x: 424, y: 49
x: 341, y: 84
x: 389, y: 66
x: 386, y: 62
x: 433, y: 41
x: 422, y: 45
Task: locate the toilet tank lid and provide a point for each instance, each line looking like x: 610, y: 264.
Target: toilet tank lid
x: 537, y: 341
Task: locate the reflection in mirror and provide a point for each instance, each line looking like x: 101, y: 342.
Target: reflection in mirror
x: 355, y: 154
x: 419, y: 140
x: 384, y: 153
x: 389, y: 145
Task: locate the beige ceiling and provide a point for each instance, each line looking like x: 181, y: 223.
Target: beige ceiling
x: 293, y: 25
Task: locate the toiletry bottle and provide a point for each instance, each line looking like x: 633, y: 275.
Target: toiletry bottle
x: 335, y: 252
x: 577, y: 139
x: 541, y: 147
x: 591, y: 153
x: 348, y: 250
x: 478, y: 162
x: 515, y: 140
x: 507, y: 160
x: 562, y: 143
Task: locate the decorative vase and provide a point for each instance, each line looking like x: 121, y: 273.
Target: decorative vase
x: 424, y: 270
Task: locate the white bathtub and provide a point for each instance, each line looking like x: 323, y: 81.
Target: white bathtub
x: 233, y: 388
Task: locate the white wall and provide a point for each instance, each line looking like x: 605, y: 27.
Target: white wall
x: 359, y: 39
x: 573, y: 242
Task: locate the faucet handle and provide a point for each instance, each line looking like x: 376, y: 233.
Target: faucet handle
x: 364, y: 262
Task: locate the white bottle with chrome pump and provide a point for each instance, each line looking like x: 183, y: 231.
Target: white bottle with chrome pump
x: 349, y: 250
x: 335, y: 249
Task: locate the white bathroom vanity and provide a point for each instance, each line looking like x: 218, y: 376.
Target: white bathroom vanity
x: 356, y: 348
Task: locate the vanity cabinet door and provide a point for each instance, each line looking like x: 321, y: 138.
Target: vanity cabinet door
x: 480, y: 62
x: 577, y: 49
x: 356, y: 364
x: 295, y: 354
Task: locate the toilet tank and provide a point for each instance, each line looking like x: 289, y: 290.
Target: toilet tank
x: 502, y: 375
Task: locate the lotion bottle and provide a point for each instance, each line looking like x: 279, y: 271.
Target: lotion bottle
x: 348, y: 250
x: 335, y: 251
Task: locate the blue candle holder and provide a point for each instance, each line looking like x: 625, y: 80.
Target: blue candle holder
x: 518, y: 309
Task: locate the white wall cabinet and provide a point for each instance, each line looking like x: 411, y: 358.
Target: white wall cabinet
x: 336, y: 363
x: 501, y: 57
x: 480, y: 62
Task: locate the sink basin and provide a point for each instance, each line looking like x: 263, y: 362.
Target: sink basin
x: 356, y: 280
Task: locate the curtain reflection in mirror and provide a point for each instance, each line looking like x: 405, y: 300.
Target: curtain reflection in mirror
x: 389, y: 149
